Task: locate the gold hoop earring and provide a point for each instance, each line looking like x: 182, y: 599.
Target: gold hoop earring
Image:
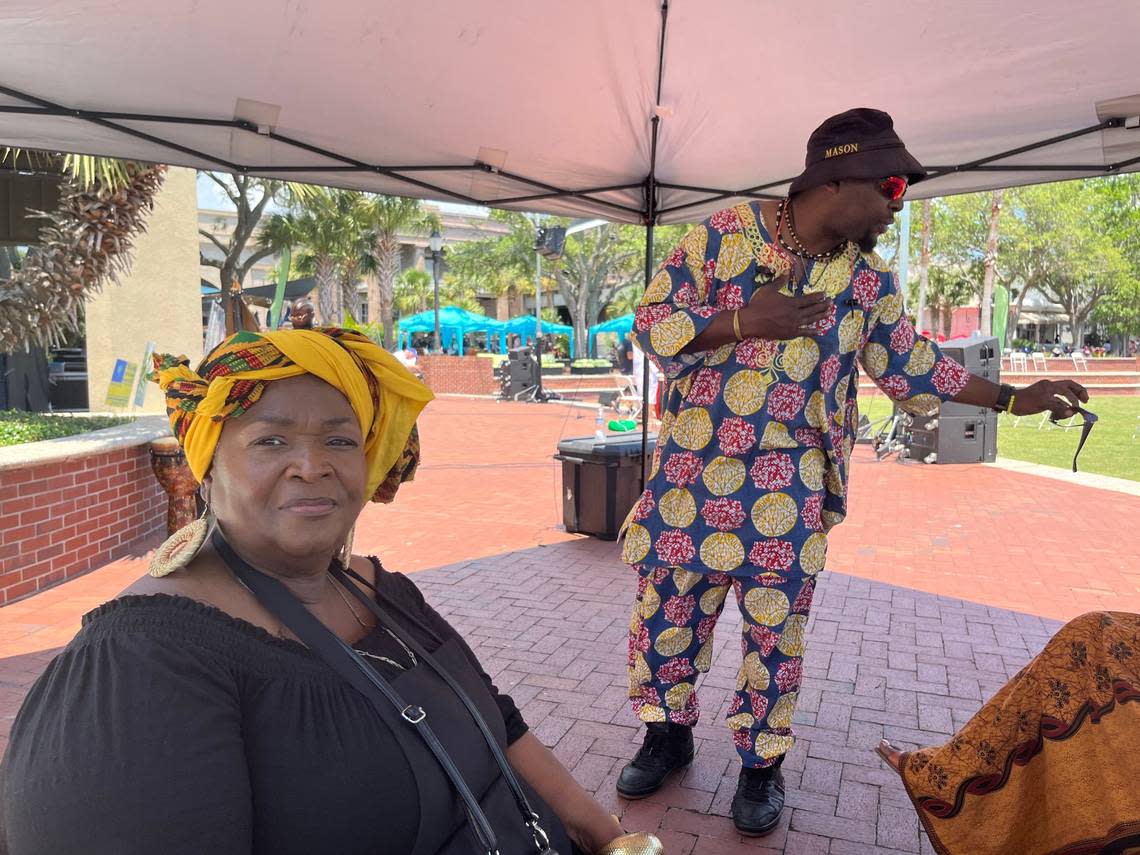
x: 178, y: 550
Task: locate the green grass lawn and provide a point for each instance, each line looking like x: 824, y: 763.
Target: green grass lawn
x: 1110, y: 449
x: 17, y: 426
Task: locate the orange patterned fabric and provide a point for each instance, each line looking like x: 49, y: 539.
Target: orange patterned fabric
x: 1049, y: 764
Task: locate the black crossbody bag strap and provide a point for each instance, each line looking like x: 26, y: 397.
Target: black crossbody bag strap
x: 351, y: 666
x: 541, y: 839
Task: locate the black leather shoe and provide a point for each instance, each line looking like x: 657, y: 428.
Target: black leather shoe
x: 666, y: 747
x: 759, y: 801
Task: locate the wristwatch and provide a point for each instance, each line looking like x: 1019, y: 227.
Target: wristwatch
x: 1004, y: 401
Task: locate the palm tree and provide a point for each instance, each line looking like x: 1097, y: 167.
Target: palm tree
x: 326, y: 230
x: 358, y: 238
x: 388, y: 217
x: 103, y: 207
x: 307, y: 233
x: 414, y: 292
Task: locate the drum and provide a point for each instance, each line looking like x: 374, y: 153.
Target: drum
x: 177, y: 481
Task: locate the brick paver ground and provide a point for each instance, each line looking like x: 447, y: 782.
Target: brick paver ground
x: 549, y: 624
x: 940, y: 580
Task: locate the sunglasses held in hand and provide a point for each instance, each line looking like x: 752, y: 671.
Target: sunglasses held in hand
x: 1086, y: 429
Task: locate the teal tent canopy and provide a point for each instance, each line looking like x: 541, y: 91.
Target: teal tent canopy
x: 454, y: 324
x: 620, y: 326
x: 523, y: 326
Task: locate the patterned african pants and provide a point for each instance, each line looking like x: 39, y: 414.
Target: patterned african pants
x: 671, y: 642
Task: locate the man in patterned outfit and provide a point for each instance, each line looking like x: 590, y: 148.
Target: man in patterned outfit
x: 757, y: 319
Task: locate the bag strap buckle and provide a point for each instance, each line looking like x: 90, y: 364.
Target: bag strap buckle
x: 413, y: 714
x: 541, y: 838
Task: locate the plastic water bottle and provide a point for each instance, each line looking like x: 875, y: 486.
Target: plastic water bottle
x: 600, y: 426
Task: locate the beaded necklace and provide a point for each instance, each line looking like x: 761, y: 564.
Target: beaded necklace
x: 794, y: 257
x: 784, y: 217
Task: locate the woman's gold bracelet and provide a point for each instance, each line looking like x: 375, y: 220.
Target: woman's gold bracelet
x: 736, y: 325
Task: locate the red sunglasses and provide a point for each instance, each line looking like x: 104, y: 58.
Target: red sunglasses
x: 893, y: 188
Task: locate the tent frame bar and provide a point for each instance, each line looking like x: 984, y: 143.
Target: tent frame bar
x: 650, y: 221
x: 111, y: 120
x: 1104, y: 124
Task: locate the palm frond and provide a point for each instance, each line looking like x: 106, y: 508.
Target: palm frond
x: 86, y: 241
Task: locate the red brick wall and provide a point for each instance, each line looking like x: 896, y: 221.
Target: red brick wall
x: 467, y: 375
x: 59, y: 520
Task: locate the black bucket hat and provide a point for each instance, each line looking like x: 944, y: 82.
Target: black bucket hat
x: 859, y: 143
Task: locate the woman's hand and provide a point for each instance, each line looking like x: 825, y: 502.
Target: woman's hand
x: 587, y: 822
x: 593, y: 836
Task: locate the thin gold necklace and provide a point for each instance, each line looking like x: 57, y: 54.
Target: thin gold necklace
x: 396, y: 638
x: 344, y: 598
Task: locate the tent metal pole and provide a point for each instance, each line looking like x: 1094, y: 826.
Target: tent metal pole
x: 650, y: 221
x: 514, y: 200
x: 538, y: 395
x: 645, y: 366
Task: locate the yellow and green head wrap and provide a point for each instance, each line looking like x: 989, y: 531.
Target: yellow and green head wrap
x: 385, y: 396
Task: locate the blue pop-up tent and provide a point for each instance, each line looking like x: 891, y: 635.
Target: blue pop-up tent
x: 523, y: 326
x: 619, y: 326
x: 454, y: 323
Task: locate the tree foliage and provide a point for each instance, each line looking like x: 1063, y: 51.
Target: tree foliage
x: 501, y: 265
x: 241, y: 249
x: 386, y: 218
x: 1076, y: 242
x: 1061, y: 243
x: 415, y: 292
x: 85, y: 242
x: 599, y: 266
x: 330, y: 234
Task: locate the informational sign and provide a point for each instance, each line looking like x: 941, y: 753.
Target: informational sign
x: 122, y: 384
x: 145, y: 375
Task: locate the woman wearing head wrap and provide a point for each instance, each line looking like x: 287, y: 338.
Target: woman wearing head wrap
x: 234, y: 700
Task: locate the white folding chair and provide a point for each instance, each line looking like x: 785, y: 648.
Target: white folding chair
x: 1039, y: 362
x: 628, y: 402
x: 1018, y: 362
x: 1079, y: 361
x: 1046, y: 422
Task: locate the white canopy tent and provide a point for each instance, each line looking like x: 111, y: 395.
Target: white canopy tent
x: 637, y: 110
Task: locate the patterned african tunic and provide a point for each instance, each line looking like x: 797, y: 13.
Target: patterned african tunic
x: 751, y: 465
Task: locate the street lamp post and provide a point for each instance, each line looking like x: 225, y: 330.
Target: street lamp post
x: 435, y: 242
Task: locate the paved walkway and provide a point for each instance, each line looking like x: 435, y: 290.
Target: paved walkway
x: 914, y: 626
x: 549, y: 623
